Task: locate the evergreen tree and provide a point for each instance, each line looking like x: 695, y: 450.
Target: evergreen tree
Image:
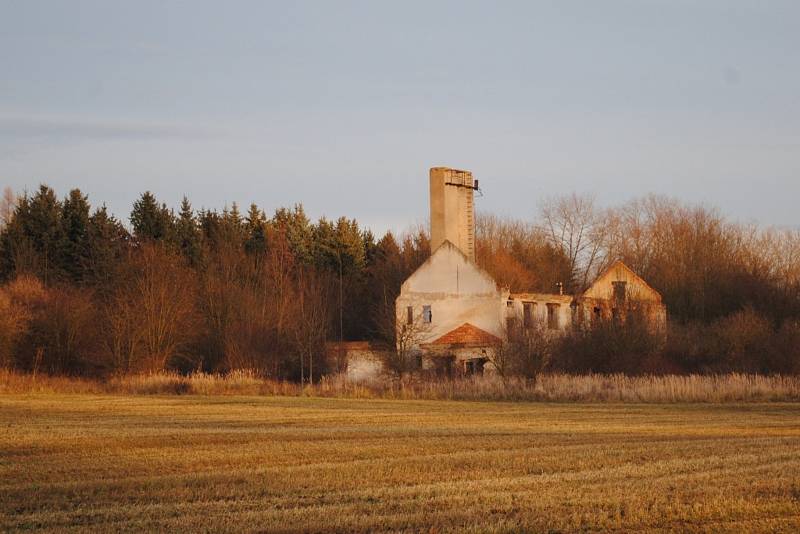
x: 12, y: 238
x: 385, y: 274
x: 298, y: 232
x: 187, y: 233
x: 32, y: 241
x: 351, y: 244
x: 75, y: 242
x: 256, y: 231
x: 150, y: 221
x: 108, y: 242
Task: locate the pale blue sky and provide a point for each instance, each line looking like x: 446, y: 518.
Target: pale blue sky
x: 343, y: 106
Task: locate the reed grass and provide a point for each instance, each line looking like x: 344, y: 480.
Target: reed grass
x: 721, y: 388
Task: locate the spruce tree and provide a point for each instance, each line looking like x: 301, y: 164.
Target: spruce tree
x: 75, y: 236
x: 108, y: 241
x: 256, y: 231
x: 298, y: 231
x: 187, y: 233
x: 150, y: 221
x: 36, y: 236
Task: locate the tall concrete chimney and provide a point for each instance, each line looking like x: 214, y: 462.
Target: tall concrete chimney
x: 452, y: 209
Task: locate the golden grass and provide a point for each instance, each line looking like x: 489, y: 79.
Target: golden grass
x: 233, y: 464
x: 551, y: 388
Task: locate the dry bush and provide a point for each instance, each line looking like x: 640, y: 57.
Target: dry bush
x: 742, y: 340
x: 66, y: 332
x: 52, y: 330
x: 25, y: 297
x: 784, y: 353
x: 527, y: 352
x: 13, y: 322
x: 626, y: 345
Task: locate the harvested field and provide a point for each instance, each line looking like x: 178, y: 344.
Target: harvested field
x: 98, y: 462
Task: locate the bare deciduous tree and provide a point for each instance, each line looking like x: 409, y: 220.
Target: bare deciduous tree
x: 403, y: 358
x: 153, y: 317
x: 525, y: 352
x: 311, y: 321
x: 8, y: 202
x: 13, y: 321
x: 573, y: 224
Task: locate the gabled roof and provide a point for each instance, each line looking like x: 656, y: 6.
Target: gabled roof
x: 467, y: 335
x: 445, y: 248
x: 616, y: 264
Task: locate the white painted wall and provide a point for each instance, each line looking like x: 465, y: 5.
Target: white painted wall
x: 458, y: 292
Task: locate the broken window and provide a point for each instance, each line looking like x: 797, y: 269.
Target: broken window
x: 427, y: 315
x: 410, y: 315
x: 552, y: 316
x: 620, y: 289
x: 527, y: 314
x: 474, y: 366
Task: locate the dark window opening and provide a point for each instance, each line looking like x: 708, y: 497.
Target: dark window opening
x: 552, y: 316
x: 474, y: 366
x: 620, y: 290
x: 410, y: 315
x: 442, y: 366
x: 527, y: 314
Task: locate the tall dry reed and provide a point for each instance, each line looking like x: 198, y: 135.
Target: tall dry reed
x: 731, y: 387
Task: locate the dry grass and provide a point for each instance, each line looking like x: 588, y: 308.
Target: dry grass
x: 208, y: 463
x: 548, y: 388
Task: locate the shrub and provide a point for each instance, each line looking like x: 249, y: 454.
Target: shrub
x: 626, y: 345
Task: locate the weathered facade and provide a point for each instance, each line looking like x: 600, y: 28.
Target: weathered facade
x: 617, y: 292
x: 450, y: 294
x: 360, y: 360
x: 453, y: 316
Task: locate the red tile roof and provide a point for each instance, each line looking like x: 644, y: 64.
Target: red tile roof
x: 467, y: 335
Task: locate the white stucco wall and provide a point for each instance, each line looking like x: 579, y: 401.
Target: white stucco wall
x: 458, y: 292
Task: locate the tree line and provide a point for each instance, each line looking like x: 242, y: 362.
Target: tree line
x: 84, y: 293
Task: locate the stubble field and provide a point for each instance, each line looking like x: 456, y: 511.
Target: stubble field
x: 88, y: 462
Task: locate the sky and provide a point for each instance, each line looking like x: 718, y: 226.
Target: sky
x: 343, y: 106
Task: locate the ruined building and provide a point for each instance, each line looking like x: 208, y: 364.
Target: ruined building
x: 453, y: 316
